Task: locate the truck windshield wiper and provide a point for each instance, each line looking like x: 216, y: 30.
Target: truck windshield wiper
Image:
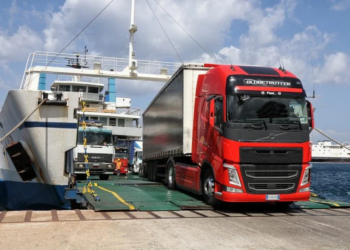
x: 285, y: 124
x: 252, y: 122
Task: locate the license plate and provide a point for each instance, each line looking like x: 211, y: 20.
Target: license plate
x: 272, y: 197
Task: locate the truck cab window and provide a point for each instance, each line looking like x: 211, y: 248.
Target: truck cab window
x: 218, y: 113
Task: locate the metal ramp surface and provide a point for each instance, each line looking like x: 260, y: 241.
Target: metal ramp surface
x: 131, y: 192
x: 135, y: 193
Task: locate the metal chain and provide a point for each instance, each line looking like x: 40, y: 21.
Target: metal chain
x: 89, y: 186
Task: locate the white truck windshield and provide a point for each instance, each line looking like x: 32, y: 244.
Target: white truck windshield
x: 95, y: 138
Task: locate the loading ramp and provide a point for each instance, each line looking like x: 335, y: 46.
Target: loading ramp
x: 131, y: 192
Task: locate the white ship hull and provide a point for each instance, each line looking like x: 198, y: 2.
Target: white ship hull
x: 47, y: 135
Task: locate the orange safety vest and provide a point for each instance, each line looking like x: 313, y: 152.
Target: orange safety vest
x: 119, y: 165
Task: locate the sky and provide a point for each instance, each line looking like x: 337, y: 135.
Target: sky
x: 311, y: 38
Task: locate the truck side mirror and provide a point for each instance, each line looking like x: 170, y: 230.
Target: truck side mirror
x: 310, y: 115
x: 212, y: 112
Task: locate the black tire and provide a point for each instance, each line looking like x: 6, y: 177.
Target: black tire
x: 104, y: 177
x: 171, y: 176
x: 208, y: 184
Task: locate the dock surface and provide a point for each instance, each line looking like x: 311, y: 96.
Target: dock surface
x: 195, y: 229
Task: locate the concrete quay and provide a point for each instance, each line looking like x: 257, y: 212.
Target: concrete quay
x: 192, y: 229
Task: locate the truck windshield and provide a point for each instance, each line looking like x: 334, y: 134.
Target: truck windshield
x: 242, y: 108
x: 95, y: 138
x: 121, y: 153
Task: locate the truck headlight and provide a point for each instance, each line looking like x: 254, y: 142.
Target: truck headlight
x: 232, y: 175
x: 306, y: 176
x: 109, y: 166
x: 80, y: 165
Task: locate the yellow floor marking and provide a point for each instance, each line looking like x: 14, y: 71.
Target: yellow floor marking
x: 131, y: 207
x: 326, y: 202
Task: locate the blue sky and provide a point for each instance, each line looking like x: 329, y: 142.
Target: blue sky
x: 311, y: 37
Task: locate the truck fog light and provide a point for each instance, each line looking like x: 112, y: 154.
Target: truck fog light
x: 233, y: 175
x: 80, y: 165
x: 307, y: 189
x: 232, y: 190
x: 306, y: 176
x: 109, y: 166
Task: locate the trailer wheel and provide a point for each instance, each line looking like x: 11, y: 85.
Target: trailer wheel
x: 208, y: 188
x: 171, y: 177
x: 104, y: 177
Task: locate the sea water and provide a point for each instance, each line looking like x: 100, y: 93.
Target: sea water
x: 331, y: 180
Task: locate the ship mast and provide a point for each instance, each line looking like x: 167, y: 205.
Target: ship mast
x: 132, y: 30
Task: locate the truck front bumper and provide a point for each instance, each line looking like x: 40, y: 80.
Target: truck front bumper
x: 94, y: 168
x: 244, y: 197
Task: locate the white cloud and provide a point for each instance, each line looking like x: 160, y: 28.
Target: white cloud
x: 341, y: 5
x: 335, y: 69
x: 17, y: 46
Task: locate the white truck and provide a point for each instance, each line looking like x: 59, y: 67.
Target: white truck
x: 100, y: 151
x: 137, y: 157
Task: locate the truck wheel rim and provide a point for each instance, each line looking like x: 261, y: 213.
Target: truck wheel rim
x: 170, y: 176
x: 209, y: 186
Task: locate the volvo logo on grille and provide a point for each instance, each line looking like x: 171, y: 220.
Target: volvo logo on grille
x: 272, y: 136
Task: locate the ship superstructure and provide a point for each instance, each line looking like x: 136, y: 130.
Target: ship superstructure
x: 325, y: 151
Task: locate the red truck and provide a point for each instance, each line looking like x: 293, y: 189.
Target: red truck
x: 231, y: 133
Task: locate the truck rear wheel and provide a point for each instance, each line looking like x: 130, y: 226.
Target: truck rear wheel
x: 208, y: 188
x: 104, y: 177
x: 171, y: 176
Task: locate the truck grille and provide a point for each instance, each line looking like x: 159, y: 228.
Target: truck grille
x: 271, y: 179
x: 271, y: 186
x: 271, y: 155
x: 263, y: 174
x: 96, y: 158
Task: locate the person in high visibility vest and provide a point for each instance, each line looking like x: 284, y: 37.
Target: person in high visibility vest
x: 119, y: 164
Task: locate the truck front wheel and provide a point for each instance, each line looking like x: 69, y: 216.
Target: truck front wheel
x: 208, y: 188
x: 171, y: 176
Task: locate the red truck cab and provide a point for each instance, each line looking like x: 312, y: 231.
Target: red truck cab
x: 251, y: 135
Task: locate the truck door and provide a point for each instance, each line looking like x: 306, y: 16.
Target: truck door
x: 203, y: 130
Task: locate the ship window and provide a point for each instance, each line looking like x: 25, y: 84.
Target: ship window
x: 64, y: 88
x: 121, y: 122
x: 112, y: 122
x: 104, y: 120
x: 93, y: 90
x: 78, y: 88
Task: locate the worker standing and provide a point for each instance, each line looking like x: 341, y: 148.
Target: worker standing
x: 118, y: 166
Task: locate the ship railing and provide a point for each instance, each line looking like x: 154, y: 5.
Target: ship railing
x: 98, y: 63
x: 120, y: 111
x: 66, y: 78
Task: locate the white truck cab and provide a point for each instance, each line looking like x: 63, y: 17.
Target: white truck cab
x: 137, y: 159
x: 100, y: 151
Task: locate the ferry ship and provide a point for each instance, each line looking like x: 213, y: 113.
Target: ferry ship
x: 325, y: 151
x: 39, y: 125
